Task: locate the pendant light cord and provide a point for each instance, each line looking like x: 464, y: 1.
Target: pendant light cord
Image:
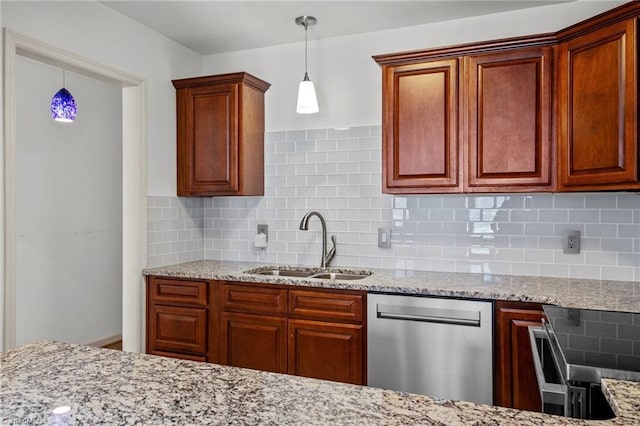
x: 305, y: 48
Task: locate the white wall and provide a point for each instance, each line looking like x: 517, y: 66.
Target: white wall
x: 93, y: 31
x: 103, y: 35
x: 68, y: 209
x: 348, y: 80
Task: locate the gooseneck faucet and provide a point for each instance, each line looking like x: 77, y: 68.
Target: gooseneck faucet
x: 304, y: 226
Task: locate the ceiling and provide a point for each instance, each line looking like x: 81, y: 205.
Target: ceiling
x: 211, y: 27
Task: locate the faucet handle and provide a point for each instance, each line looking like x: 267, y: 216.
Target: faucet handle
x: 329, y: 257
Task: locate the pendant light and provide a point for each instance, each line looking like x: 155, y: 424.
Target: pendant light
x: 63, y: 106
x: 307, y: 100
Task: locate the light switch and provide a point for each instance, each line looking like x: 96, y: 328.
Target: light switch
x: 384, y: 237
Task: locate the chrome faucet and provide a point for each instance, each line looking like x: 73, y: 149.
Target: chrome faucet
x: 304, y: 226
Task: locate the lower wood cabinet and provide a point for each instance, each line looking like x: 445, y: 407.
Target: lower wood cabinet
x: 324, y: 350
x: 178, y: 329
x: 317, y: 333
x: 177, y: 318
x: 283, y: 329
x: 515, y: 383
x: 254, y: 341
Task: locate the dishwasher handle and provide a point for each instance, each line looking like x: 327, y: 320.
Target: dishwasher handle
x: 431, y: 315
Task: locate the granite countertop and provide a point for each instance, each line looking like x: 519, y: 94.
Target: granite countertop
x: 569, y: 292
x: 104, y: 386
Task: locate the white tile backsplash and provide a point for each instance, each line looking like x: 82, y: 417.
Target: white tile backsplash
x: 175, y: 230
x: 338, y: 172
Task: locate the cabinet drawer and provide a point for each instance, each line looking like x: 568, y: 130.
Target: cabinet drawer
x: 177, y: 291
x: 177, y: 329
x: 326, y: 305
x: 255, y: 300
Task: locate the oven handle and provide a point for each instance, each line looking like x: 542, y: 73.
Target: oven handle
x: 553, y: 393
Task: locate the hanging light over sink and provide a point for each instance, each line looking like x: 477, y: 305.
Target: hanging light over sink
x: 307, y: 99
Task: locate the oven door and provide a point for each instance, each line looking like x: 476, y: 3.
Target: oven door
x: 553, y: 390
x: 561, y: 397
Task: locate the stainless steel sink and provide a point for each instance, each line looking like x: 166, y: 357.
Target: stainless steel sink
x: 311, y: 273
x: 339, y: 276
x: 283, y: 273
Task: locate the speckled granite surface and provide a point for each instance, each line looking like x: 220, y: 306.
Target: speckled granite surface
x: 104, y: 386
x: 591, y: 294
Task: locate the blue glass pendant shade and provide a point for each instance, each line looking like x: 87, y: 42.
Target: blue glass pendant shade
x: 63, y: 106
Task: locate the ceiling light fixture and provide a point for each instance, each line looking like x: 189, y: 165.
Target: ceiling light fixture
x: 63, y: 106
x: 307, y: 100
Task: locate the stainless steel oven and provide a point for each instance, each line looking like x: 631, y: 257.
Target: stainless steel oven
x: 579, y: 400
x: 574, y: 349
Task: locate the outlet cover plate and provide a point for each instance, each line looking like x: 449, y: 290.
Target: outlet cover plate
x: 384, y: 237
x: 571, y: 242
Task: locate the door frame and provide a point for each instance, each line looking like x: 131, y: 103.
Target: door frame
x: 134, y: 184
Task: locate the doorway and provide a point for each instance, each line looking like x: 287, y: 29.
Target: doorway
x: 132, y: 227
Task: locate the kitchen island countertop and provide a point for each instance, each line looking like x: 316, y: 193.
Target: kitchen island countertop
x: 105, y: 386
x: 568, y: 292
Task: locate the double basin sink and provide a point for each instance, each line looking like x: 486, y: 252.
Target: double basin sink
x: 310, y: 273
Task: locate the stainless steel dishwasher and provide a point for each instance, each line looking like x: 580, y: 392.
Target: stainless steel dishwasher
x: 431, y: 346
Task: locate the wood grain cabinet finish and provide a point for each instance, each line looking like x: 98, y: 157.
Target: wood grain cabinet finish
x: 179, y: 329
x: 326, y: 305
x: 541, y: 113
x: 515, y: 383
x: 509, y: 139
x: 220, y: 125
x: 254, y: 299
x: 178, y: 291
x: 325, y: 350
x: 598, y: 109
x: 420, y: 144
x: 254, y: 341
x: 178, y: 320
x: 318, y: 333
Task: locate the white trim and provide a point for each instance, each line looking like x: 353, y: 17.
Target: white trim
x: 134, y: 199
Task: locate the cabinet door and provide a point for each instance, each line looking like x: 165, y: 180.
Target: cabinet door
x: 254, y: 341
x: 208, y: 140
x: 509, y: 139
x: 420, y: 128
x: 327, y: 351
x: 597, y: 109
x: 515, y: 383
x: 178, y: 329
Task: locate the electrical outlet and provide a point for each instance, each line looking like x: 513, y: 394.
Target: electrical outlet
x: 571, y: 242
x: 384, y: 237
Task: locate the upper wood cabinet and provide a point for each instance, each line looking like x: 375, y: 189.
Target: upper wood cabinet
x: 220, y: 125
x: 472, y: 123
x: 421, y: 151
x: 598, y: 109
x: 550, y: 112
x: 508, y: 135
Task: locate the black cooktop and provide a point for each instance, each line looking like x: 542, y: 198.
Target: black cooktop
x: 590, y: 340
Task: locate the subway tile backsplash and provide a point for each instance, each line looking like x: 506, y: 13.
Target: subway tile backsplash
x: 175, y: 230
x: 338, y: 173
